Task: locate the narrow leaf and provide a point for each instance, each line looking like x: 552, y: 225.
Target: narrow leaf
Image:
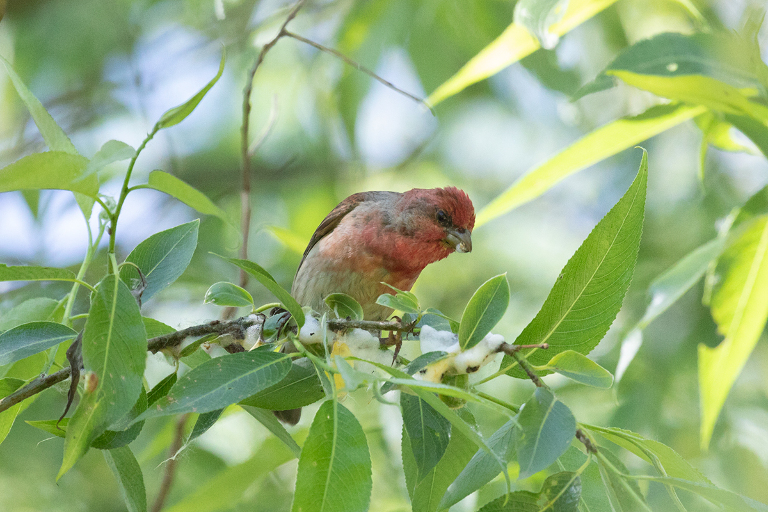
x: 299, y: 388
x: 228, y: 294
x: 428, y: 432
x: 730, y: 500
x: 162, y: 258
x: 623, y: 493
x: 31, y: 338
x: 25, y: 273
x: 597, y: 145
x: 547, y: 427
x: 270, y: 284
x: 587, y: 296
x: 187, y: 194
x: 740, y: 308
x: 483, y: 311
x: 344, y: 306
x: 220, y: 382
x: 335, y: 466
x: 581, y: 369
x: 49, y: 170
x: 268, y: 419
x: 114, y: 352
x: 130, y: 480
x: 177, y: 114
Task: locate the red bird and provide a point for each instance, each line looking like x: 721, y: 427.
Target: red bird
x: 375, y: 237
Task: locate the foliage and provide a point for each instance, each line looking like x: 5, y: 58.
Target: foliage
x: 460, y: 436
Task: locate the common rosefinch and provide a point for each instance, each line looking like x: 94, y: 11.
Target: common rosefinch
x: 375, y: 237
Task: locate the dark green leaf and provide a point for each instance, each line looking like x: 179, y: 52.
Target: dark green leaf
x: 228, y: 294
x: 114, y: 353
x: 335, y: 466
x: 130, y: 480
x: 562, y: 492
x: 484, y: 310
x: 204, y: 422
x: 623, y: 493
x: 124, y: 431
x: 31, y: 338
x: 299, y: 388
x: 588, y: 294
x: 161, y: 388
x: 178, y: 114
x: 221, y: 381
x: 483, y: 467
x: 270, y: 284
x: 428, y: 431
x: 344, y: 306
x: 187, y: 194
x: 547, y: 428
x: 162, y: 258
x: 581, y: 369
x: 520, y: 501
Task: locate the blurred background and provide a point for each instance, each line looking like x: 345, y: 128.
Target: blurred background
x: 108, y: 70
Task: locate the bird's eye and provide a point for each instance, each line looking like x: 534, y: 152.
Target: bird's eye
x: 442, y: 217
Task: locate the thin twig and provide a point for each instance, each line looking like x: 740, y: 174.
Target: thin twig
x: 528, y: 370
x: 357, y: 66
x: 509, y: 348
x: 170, y: 466
x: 256, y: 144
x: 245, y: 191
x: 340, y: 324
x: 581, y: 436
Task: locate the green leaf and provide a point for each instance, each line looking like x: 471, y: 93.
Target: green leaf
x: 588, y: 294
x: 520, y: 501
x: 52, y: 133
x: 37, y: 309
x: 428, y: 432
x: 623, y: 493
x: 8, y: 416
x: 25, y: 273
x: 228, y: 294
x: 537, y: 16
x: 156, y: 328
x: 730, y: 500
x: 417, y: 365
x: 220, y: 382
x: 229, y: 487
x: 130, y: 480
x: 547, y: 428
x: 177, y: 114
x: 752, y: 128
x: 597, y: 145
x: 403, y: 301
x: 425, y: 493
x: 31, y: 338
x: 739, y: 306
x: 512, y: 45
x: 111, y: 151
x: 270, y: 284
x: 162, y: 258
x: 483, y: 467
x: 483, y: 311
x: 299, y: 388
x: 49, y: 170
x: 204, y: 422
x: 114, y: 354
x: 561, y: 491
x: 674, y: 282
x: 268, y: 419
x: 335, y: 466
x: 581, y: 369
x: 187, y: 194
x: 344, y: 306
x: 161, y: 389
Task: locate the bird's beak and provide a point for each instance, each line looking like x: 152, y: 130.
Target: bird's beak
x: 461, y: 241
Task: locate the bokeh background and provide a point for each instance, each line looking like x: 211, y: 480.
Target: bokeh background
x: 108, y: 70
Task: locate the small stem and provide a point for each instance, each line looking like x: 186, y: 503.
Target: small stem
x: 170, y: 467
x: 527, y: 368
x: 586, y: 441
x: 339, y: 324
x: 498, y: 401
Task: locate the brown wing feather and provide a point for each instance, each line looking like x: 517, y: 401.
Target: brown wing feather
x: 332, y: 219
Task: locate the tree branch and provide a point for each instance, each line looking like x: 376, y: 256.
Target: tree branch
x: 170, y: 467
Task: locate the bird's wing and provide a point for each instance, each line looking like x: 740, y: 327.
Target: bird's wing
x: 332, y: 219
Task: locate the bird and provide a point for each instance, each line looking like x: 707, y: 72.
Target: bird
x: 377, y: 237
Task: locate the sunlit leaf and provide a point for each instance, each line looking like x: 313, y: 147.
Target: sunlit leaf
x: 177, y: 114
x: 162, y: 258
x: 187, y: 194
x: 335, y: 465
x: 598, y: 145
x: 228, y: 294
x: 31, y: 338
x: 537, y: 16
x: 220, y: 382
x: 111, y: 151
x: 270, y: 284
x: 581, y: 369
x: 587, y: 296
x: 739, y: 306
x: 114, y: 353
x: 49, y: 170
x: 547, y: 427
x: 130, y: 480
x: 483, y: 311
x: 512, y: 45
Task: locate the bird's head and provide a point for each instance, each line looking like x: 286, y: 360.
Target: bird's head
x: 440, y: 217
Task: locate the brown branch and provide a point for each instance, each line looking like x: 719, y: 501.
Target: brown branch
x: 527, y: 368
x: 581, y: 436
x: 170, y: 467
x: 340, y: 324
x: 357, y: 66
x: 236, y: 328
x: 245, y: 191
